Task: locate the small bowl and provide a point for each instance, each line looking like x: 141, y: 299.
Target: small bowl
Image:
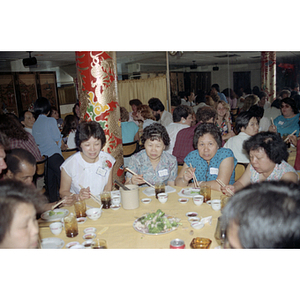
x: 81, y: 220
x: 115, y: 206
x: 194, y: 219
x: 183, y: 200
x: 71, y: 244
x: 94, y: 213
x: 89, y: 236
x: 87, y: 244
x: 208, y: 202
x: 146, y: 200
x: 197, y: 225
x: 90, y: 230
x: 191, y: 214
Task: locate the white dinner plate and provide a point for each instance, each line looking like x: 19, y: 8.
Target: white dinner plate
x: 52, y: 243
x: 150, y: 191
x: 59, y: 214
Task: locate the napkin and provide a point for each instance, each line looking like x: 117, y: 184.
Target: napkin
x: 207, y: 220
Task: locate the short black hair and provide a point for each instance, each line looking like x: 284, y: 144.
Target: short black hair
x: 86, y: 130
x: 22, y: 115
x: 205, y: 128
x: 243, y: 119
x: 155, y: 131
x: 291, y: 102
x: 135, y: 102
x: 267, y: 215
x: 205, y: 113
x: 16, y: 156
x: 181, y: 111
x: 41, y: 106
x: 216, y: 86
x: 271, y: 142
x: 156, y: 105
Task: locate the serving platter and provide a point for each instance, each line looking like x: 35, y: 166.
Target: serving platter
x: 52, y: 243
x: 59, y: 213
x: 151, y: 191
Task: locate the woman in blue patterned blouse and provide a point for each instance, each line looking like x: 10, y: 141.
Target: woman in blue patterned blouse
x: 209, y: 161
x: 153, y: 164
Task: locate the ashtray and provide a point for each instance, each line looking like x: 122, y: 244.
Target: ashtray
x: 146, y: 200
x: 183, y: 200
x: 115, y: 206
x: 191, y: 214
x: 200, y: 243
x: 90, y: 230
x: 197, y: 224
x: 89, y: 236
x: 81, y: 220
x: 71, y: 244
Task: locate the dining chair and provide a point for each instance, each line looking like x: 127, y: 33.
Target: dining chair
x: 68, y: 152
x: 130, y: 148
x: 179, y: 165
x: 239, y: 170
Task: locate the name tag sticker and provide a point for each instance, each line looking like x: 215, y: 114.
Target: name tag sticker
x: 101, y: 171
x: 280, y: 123
x: 214, y: 171
x: 162, y: 173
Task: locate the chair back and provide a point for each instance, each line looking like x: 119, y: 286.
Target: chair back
x: 68, y: 152
x: 41, y: 166
x: 239, y: 171
x: 130, y: 148
x: 179, y: 165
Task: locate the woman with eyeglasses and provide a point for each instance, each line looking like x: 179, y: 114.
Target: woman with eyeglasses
x: 288, y: 122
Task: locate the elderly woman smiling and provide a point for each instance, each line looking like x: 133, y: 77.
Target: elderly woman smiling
x: 210, y: 161
x: 153, y: 164
x: 268, y: 154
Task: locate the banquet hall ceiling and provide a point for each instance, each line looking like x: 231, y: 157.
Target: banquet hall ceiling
x: 152, y: 61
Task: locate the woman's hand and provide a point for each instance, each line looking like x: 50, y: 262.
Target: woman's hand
x: 137, y: 179
x: 184, y: 176
x: 69, y: 200
x: 273, y: 128
x: 225, y: 189
x: 188, y: 174
x: 293, y: 139
x: 85, y: 193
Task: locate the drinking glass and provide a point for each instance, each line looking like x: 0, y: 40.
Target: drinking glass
x: 159, y: 188
x: 71, y: 225
x: 99, y: 244
x: 106, y: 199
x: 80, y: 208
x: 220, y: 233
x: 205, y: 191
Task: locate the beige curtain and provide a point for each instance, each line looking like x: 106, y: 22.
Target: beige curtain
x: 142, y: 89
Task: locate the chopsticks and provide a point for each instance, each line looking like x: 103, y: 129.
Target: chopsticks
x: 221, y: 183
x: 93, y: 197
x: 290, y: 135
x: 59, y: 202
x: 133, y: 173
x: 194, y: 177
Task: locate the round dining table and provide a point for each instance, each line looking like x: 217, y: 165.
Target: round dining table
x: 116, y: 226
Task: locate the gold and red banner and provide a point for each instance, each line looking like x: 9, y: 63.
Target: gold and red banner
x: 268, y: 74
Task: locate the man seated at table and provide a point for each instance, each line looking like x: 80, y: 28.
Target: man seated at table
x: 263, y: 215
x: 19, y: 204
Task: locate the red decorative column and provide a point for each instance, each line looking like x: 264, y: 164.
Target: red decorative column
x: 98, y: 99
x: 268, y: 74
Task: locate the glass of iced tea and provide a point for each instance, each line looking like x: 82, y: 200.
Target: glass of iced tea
x: 205, y: 191
x: 105, y: 199
x: 71, y: 225
x: 99, y: 244
x: 159, y: 188
x: 80, y: 208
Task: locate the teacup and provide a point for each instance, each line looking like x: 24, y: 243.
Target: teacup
x: 216, y: 204
x: 56, y: 228
x: 198, y: 199
x: 162, y: 197
x: 116, y: 200
x: 94, y: 213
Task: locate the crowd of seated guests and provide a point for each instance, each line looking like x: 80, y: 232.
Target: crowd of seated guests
x: 168, y: 140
